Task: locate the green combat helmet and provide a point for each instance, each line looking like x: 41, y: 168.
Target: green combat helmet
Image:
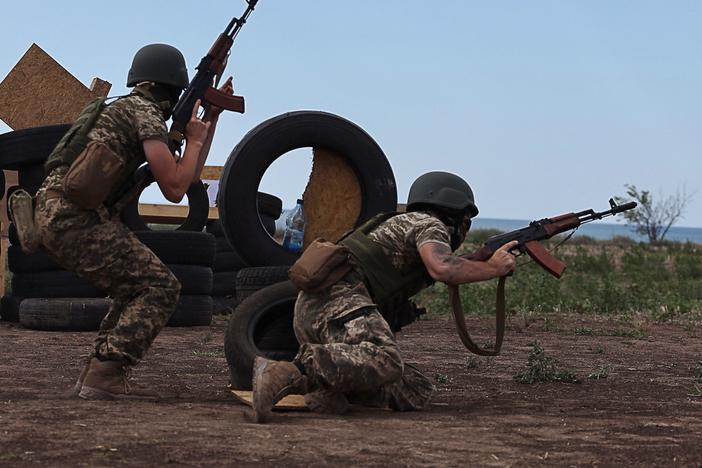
x: 443, y: 190
x: 160, y: 63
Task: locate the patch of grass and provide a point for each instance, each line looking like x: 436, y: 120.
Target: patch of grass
x: 442, y: 378
x: 600, y: 349
x: 695, y: 391
x: 541, y: 368
x: 698, y: 372
x: 472, y: 362
x: 601, y: 372
x: 584, y: 331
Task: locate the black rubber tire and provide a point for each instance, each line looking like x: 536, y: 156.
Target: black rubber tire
x: 2, y: 184
x: 199, y: 208
x: 63, y: 314
x: 273, y: 138
x: 180, y: 247
x: 249, y: 280
x: 224, y: 283
x: 19, y: 262
x: 192, y: 311
x: 268, y: 224
x: 9, y: 308
x: 214, y: 227
x: 52, y: 284
x: 29, y: 145
x: 194, y: 279
x: 223, y: 246
x: 172, y: 247
x: 30, y: 177
x: 269, y: 205
x: 228, y: 261
x: 267, y: 313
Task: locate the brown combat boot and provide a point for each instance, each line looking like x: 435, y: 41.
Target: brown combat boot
x: 107, y: 380
x: 272, y: 381
x: 21, y: 210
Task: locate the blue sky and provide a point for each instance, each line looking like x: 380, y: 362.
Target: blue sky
x: 543, y: 106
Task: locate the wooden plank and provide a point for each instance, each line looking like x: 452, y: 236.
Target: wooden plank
x: 211, y: 173
x: 169, y: 214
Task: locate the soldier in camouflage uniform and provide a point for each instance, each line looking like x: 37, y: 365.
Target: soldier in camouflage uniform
x: 348, y: 352
x: 97, y: 246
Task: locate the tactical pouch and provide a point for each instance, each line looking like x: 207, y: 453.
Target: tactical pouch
x: 322, y: 264
x: 21, y: 211
x: 92, y: 175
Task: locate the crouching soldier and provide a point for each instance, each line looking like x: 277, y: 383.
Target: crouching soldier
x: 348, y: 353
x: 74, y: 222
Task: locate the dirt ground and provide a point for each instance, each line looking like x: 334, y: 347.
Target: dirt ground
x: 646, y: 412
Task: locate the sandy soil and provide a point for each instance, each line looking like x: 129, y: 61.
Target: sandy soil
x: 646, y: 412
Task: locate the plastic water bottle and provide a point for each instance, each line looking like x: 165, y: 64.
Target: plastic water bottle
x: 294, y: 229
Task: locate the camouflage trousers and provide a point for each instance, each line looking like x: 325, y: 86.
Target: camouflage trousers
x: 347, y: 347
x: 104, y: 251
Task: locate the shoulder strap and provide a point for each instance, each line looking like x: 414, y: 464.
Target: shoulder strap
x: 457, y: 309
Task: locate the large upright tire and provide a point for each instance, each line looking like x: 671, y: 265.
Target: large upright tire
x: 29, y: 145
x: 273, y: 138
x: 261, y: 325
x: 198, y: 204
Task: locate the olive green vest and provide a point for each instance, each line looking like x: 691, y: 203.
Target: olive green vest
x: 388, y: 287
x: 76, y: 138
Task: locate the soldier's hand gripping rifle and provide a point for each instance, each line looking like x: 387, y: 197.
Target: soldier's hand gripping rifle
x: 528, y: 241
x: 203, y: 86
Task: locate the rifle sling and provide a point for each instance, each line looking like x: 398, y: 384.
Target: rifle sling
x: 457, y: 309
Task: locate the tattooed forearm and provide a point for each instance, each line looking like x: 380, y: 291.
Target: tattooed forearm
x: 446, y: 255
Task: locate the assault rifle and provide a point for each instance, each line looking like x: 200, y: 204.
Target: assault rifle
x: 529, y: 237
x: 529, y: 241
x: 203, y: 86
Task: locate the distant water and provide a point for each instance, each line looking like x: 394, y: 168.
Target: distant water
x: 595, y: 229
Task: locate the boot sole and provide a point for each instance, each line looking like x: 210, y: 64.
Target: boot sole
x: 259, y: 415
x: 92, y: 393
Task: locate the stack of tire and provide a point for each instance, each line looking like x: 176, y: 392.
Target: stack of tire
x: 25, y: 151
x: 228, y: 263
x: 46, y: 297
x: 262, y: 323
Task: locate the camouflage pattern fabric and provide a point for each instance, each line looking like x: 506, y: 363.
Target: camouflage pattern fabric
x: 345, y: 344
x: 102, y: 250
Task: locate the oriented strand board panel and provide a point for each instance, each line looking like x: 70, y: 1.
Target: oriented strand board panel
x: 332, y: 197
x: 39, y: 91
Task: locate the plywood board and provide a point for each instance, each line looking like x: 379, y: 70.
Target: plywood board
x: 332, y: 197
x: 39, y: 91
